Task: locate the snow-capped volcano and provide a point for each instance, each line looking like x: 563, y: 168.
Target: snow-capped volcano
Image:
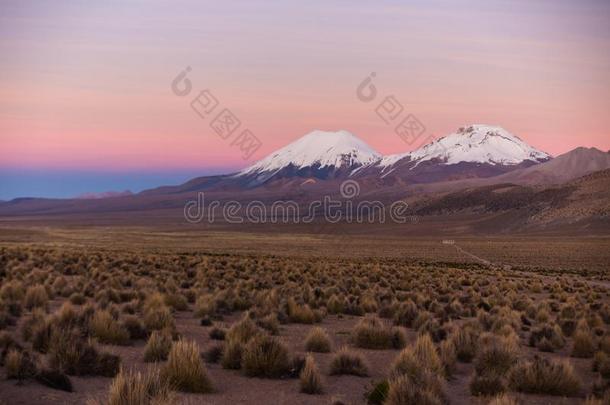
x: 318, y: 150
x: 473, y: 151
x: 474, y: 144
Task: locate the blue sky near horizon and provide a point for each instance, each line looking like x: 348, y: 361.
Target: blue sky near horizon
x: 16, y: 183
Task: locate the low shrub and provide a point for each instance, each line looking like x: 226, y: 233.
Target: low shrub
x: 217, y: 333
x: 54, y: 379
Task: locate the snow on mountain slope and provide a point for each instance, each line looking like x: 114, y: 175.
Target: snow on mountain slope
x: 476, y: 143
x: 319, y: 149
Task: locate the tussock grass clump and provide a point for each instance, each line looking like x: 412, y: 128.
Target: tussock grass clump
x: 135, y: 388
x: 422, y: 354
x: 547, y: 338
x: 601, y: 363
x: 107, y: 329
x: 488, y: 384
x: 135, y: 327
x: 369, y: 304
x: 405, y: 390
x: 372, y: 333
x: 583, y: 345
x: 69, y: 352
x: 176, y: 301
x: 41, y: 333
x: 265, y: 356
x: 77, y: 299
x: 157, y: 315
x: 349, y: 362
x: 300, y: 313
x: 12, y: 291
x: 335, y: 305
x: 19, y: 365
x: 69, y: 316
x: 318, y: 341
x: 503, y: 399
x: 270, y: 323
x: 184, y: 369
x: 406, y: 314
x: 158, y: 346
x: 465, y: 341
x: 497, y: 356
x: 236, y: 339
x: 231, y: 354
x: 32, y: 322
x: 417, y: 374
x: 243, y: 331
x: 310, y: 378
x: 205, y: 306
x: 448, y: 357
x: 543, y: 376
x: 36, y: 297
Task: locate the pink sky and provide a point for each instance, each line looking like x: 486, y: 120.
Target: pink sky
x: 88, y: 86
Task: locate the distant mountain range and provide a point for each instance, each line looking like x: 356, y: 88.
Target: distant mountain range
x: 481, y: 174
x: 104, y: 194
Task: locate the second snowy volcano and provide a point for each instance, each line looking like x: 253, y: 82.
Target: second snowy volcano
x: 474, y: 144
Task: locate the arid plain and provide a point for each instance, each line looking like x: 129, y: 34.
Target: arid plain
x: 230, y: 317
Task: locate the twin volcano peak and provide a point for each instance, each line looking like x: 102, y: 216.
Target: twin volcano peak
x: 342, y: 151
